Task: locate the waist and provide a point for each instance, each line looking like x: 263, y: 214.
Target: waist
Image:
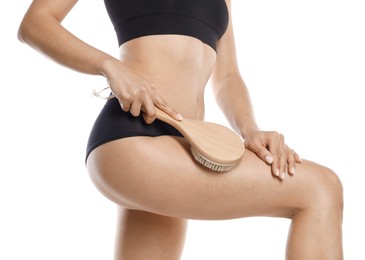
x: 179, y: 66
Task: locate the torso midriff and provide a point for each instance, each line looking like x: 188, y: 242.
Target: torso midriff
x: 179, y: 66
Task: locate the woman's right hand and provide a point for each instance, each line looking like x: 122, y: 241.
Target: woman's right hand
x: 134, y: 93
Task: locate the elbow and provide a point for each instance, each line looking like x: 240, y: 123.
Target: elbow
x: 29, y: 29
x: 21, y: 33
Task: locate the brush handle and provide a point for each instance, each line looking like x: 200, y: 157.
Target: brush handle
x: 213, y: 141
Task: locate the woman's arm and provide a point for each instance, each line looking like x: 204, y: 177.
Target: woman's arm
x: 233, y: 99
x: 229, y: 88
x: 41, y: 28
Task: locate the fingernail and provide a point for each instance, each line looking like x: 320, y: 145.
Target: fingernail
x: 292, y: 170
x: 282, y: 176
x: 277, y: 173
x: 269, y: 159
x: 179, y: 117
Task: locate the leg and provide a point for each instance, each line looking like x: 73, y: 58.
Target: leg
x: 159, y: 175
x: 316, y: 229
x: 143, y: 235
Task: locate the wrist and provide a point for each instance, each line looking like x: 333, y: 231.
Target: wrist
x: 248, y: 129
x: 110, y: 66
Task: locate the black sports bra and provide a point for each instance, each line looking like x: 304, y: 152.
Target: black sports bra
x: 206, y: 20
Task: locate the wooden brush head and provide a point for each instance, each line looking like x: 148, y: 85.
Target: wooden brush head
x: 213, y: 142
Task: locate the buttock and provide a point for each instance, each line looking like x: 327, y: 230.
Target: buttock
x: 113, y: 123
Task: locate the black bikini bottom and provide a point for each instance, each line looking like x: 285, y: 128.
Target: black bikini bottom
x: 113, y: 123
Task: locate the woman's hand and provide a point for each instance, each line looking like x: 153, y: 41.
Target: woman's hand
x: 271, y: 148
x: 136, y: 94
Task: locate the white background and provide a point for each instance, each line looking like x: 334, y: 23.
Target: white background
x: 304, y: 63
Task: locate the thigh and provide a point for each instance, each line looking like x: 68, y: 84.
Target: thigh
x: 159, y: 175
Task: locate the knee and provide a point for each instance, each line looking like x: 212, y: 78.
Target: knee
x: 328, y: 191
x: 322, y: 194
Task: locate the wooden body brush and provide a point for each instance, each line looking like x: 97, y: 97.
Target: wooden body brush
x: 214, y: 146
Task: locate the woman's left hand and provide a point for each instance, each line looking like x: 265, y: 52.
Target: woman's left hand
x: 271, y: 148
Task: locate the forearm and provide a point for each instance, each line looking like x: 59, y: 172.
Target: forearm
x: 233, y: 99
x: 45, y: 34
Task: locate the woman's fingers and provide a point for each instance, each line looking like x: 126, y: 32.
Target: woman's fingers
x: 271, y: 147
x: 271, y: 142
x: 153, y: 100
x: 168, y: 110
x: 291, y: 161
x: 255, y: 144
x: 145, y: 98
x: 149, y: 111
x: 297, y: 158
x: 283, y: 157
x: 124, y: 105
x: 136, y: 94
x: 135, y: 108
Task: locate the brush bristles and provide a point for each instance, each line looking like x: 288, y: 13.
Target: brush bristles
x: 218, y: 167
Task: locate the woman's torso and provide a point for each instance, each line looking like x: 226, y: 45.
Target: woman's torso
x: 179, y: 66
x: 171, y: 43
